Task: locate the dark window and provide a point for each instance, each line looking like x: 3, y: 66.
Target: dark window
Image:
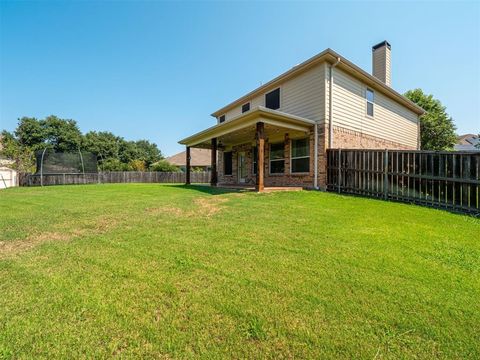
x: 221, y: 118
x: 272, y: 99
x: 277, y: 158
x: 227, y: 163
x: 300, y: 155
x: 254, y: 160
x: 245, y: 107
x: 370, y: 96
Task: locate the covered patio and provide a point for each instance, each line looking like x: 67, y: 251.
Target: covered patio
x: 260, y: 148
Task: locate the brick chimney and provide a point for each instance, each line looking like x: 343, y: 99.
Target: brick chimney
x: 381, y: 62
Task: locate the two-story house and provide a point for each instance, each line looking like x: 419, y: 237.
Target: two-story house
x: 278, y: 134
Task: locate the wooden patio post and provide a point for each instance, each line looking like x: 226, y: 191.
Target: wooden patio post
x: 260, y: 137
x: 187, y: 169
x: 213, y: 179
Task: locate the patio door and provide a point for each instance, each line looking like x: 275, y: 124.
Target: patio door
x: 242, y: 167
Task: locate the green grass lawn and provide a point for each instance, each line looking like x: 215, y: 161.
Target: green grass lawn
x: 183, y: 272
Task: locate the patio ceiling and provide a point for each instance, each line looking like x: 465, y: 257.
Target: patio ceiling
x: 241, y: 129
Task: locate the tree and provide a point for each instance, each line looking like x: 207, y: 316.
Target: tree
x: 148, y: 152
x: 30, y: 133
x: 62, y: 134
x: 437, y: 130
x: 104, y: 144
x: 127, y: 151
x: 12, y: 149
x: 113, y: 152
x: 53, y: 132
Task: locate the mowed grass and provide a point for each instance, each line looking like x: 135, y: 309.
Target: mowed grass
x: 158, y: 271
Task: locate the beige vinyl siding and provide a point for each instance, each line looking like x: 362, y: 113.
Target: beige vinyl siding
x: 391, y: 120
x: 257, y: 101
x: 302, y: 96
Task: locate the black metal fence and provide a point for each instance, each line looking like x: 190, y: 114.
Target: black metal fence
x: 112, y: 177
x: 440, y: 179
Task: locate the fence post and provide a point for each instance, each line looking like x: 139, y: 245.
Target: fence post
x: 385, y: 174
x: 339, y: 170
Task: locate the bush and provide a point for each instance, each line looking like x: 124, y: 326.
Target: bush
x: 164, y: 166
x: 114, y: 165
x: 137, y: 165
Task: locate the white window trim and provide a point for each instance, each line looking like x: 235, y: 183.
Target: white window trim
x: 270, y: 159
x: 225, y: 115
x: 371, y: 102
x: 299, y: 157
x: 249, y: 107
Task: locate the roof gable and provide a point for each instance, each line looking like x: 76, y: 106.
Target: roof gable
x: 329, y: 56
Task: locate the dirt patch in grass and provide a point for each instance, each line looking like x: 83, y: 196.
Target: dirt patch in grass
x: 12, y: 248
x: 209, y: 206
x: 9, y: 248
x: 204, y: 207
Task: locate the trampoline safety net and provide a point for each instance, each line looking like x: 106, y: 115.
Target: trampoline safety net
x: 51, y: 162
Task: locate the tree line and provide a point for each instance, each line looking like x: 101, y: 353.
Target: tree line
x: 114, y: 153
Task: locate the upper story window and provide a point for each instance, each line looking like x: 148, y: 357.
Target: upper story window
x: 272, y: 99
x: 370, y: 97
x: 245, y: 107
x: 221, y: 119
x: 300, y: 156
x: 277, y: 158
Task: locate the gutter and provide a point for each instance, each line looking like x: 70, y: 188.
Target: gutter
x: 330, y: 105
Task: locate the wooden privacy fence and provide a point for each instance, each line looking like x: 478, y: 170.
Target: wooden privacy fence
x: 112, y: 177
x: 440, y: 179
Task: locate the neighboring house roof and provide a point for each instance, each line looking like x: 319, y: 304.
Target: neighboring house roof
x: 468, y: 142
x: 330, y: 56
x: 198, y: 157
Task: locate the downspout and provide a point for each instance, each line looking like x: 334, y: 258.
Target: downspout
x: 330, y: 106
x: 419, y: 138
x: 315, y: 157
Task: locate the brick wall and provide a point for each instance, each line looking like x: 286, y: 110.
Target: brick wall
x: 343, y: 138
x: 350, y: 139
x: 286, y: 179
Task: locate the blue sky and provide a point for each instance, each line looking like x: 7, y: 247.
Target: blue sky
x: 157, y: 70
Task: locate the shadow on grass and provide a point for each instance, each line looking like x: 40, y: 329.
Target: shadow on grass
x: 204, y: 188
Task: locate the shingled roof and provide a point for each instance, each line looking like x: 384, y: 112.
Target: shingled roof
x: 468, y: 142
x: 199, y: 157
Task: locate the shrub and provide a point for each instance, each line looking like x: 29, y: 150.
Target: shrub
x: 137, y: 165
x: 164, y: 166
